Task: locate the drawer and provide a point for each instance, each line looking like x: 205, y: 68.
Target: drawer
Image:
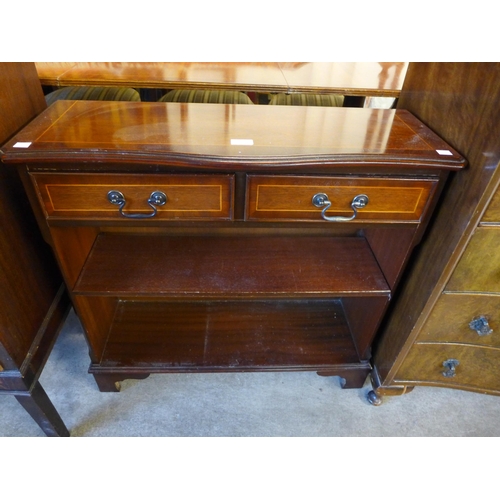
x: 291, y: 198
x: 479, y: 267
x: 85, y: 196
x: 492, y: 214
x: 451, y: 318
x: 478, y: 368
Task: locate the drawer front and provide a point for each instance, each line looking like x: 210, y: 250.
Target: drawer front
x: 291, y: 198
x: 478, y: 367
x: 479, y: 267
x: 464, y: 318
x: 84, y: 196
x: 492, y: 214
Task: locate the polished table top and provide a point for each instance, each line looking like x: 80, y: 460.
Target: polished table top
x: 206, y: 134
x: 350, y: 78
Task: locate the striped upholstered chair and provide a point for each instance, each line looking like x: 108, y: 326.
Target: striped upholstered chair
x: 207, y: 96
x: 307, y: 100
x: 93, y: 94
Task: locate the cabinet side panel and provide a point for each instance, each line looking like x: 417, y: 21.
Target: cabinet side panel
x: 391, y: 247
x: 364, y: 315
x: 72, y: 246
x: 28, y: 275
x: 21, y: 97
x: 96, y: 315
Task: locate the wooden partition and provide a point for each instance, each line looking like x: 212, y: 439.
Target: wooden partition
x: 33, y: 299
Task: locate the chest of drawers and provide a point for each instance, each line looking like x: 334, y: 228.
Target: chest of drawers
x: 458, y: 345
x: 202, y: 238
x: 443, y: 327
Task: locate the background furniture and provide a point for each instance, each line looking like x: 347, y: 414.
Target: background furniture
x: 33, y: 299
x: 346, y: 78
x: 93, y: 93
x: 445, y: 325
x: 264, y: 77
x: 205, y: 238
x: 207, y: 96
x: 307, y: 100
x: 377, y: 79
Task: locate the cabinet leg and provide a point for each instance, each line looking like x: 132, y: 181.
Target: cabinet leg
x: 41, y: 409
x: 353, y: 380
x: 108, y: 383
x: 111, y: 382
x: 349, y: 379
x: 374, y: 397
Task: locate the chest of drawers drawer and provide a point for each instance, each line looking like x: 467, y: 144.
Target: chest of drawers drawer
x: 116, y: 196
x: 492, y: 213
x: 464, y: 318
x: 459, y: 345
x: 479, y: 267
x: 314, y: 198
x: 465, y: 367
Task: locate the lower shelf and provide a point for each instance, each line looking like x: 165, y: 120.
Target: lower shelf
x: 239, y: 335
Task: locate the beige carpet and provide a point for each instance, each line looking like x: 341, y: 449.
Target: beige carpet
x: 240, y: 404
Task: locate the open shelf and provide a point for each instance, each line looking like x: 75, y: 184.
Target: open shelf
x: 236, y: 335
x: 140, y: 265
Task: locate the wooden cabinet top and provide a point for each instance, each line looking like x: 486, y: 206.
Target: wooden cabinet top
x: 350, y: 78
x: 215, y: 135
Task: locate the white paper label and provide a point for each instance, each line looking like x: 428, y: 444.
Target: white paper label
x: 445, y: 152
x: 22, y: 145
x: 241, y: 142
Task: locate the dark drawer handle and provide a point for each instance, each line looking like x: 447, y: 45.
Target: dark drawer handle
x: 156, y: 199
x: 450, y: 365
x: 320, y: 200
x: 481, y: 326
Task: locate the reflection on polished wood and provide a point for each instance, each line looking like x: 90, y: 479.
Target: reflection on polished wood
x: 357, y: 78
x: 49, y: 73
x: 236, y: 76
x: 352, y: 78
